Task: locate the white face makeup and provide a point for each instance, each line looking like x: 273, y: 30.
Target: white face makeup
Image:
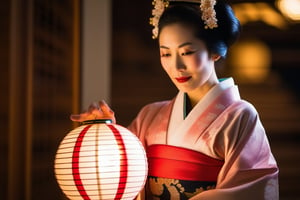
x: 186, y: 59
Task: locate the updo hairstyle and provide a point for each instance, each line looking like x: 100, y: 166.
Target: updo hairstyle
x: 218, y: 39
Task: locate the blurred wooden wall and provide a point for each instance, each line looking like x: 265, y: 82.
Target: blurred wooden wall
x: 39, y: 89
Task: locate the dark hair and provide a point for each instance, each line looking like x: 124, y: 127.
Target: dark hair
x: 217, y: 40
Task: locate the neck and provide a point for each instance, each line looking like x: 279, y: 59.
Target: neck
x: 196, y: 95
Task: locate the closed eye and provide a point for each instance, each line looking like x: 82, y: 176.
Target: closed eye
x: 187, y: 53
x: 165, y: 55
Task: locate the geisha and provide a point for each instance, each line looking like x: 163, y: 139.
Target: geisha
x: 206, y: 142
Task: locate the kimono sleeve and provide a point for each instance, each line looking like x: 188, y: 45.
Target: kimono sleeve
x: 139, y: 126
x: 136, y: 125
x: 250, y: 170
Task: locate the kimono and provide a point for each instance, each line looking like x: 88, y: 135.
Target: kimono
x: 219, y: 150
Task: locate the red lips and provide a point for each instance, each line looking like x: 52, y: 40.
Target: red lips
x: 183, y: 79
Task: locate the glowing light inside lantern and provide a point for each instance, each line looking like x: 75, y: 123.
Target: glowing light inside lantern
x: 290, y: 8
x: 101, y: 161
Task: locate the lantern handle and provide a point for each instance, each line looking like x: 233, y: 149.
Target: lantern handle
x: 97, y: 121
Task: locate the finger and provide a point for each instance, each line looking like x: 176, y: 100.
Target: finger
x: 107, y: 111
x: 105, y: 108
x: 76, y: 118
x: 93, y: 106
x: 85, y: 116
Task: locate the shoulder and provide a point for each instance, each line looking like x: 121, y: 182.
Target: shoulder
x: 239, y: 123
x: 243, y: 108
x: 241, y: 116
x: 147, y: 115
x: 244, y: 119
x: 155, y: 107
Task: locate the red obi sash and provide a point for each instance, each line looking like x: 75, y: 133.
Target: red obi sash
x: 180, y: 163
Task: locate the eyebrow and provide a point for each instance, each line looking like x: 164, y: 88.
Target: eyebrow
x: 182, y: 45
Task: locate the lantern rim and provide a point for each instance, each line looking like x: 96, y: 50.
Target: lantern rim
x: 97, y: 121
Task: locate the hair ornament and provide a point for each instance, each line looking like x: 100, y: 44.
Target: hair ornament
x: 209, y: 13
x: 206, y: 7
x: 157, y: 11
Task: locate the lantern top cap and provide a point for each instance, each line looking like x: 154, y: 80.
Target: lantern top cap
x: 97, y: 121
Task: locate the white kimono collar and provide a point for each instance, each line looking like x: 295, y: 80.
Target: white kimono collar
x: 177, y: 116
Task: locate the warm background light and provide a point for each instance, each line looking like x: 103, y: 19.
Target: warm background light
x: 290, y: 8
x: 259, y: 11
x: 250, y: 61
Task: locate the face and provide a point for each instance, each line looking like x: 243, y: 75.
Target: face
x: 185, y: 58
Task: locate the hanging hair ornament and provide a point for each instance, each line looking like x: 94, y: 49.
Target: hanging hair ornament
x: 206, y: 7
x: 209, y: 13
x: 159, y: 7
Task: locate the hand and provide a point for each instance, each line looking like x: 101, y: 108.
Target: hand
x: 96, y: 110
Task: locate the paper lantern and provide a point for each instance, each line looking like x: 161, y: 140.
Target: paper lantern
x: 101, y: 160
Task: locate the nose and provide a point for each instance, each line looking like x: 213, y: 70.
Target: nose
x: 178, y: 63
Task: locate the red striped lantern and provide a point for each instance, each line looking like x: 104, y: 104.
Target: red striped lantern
x: 101, y: 160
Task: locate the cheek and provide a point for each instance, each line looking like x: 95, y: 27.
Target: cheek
x: 194, y: 63
x: 198, y: 61
x: 165, y: 65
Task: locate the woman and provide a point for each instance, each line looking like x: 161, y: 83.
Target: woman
x: 206, y: 143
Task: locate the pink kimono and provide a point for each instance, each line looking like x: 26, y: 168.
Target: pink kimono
x: 218, y: 151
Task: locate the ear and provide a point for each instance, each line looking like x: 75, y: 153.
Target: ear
x: 215, y: 57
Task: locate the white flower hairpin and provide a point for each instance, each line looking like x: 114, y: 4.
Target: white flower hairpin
x: 206, y: 7
x: 157, y: 11
x: 209, y: 13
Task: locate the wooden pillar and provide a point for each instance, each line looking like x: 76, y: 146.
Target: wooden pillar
x: 20, y: 100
